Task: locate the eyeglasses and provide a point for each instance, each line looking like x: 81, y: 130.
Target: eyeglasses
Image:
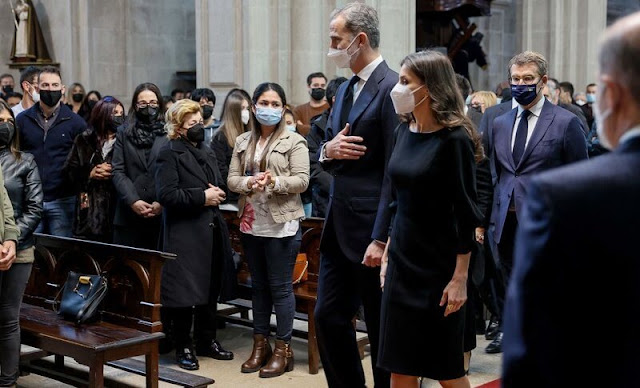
x: 527, y: 80
x: 152, y: 104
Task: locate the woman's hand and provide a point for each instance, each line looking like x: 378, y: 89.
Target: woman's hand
x: 264, y: 179
x: 7, y: 255
x: 141, y: 208
x: 214, y: 196
x: 454, y: 295
x: 383, y: 263
x: 101, y: 171
x: 480, y: 235
x: 156, y: 209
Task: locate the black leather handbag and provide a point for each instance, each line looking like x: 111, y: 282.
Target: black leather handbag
x: 81, y: 296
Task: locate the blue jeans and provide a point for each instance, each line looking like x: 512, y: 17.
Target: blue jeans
x: 271, y: 261
x: 57, y: 217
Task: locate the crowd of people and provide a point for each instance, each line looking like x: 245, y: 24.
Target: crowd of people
x: 436, y: 201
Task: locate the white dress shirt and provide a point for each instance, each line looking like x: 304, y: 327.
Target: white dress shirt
x: 531, y: 124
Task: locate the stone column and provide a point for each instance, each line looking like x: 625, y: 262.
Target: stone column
x: 243, y: 43
x: 567, y: 33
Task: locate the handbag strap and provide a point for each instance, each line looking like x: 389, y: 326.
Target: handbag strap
x: 306, y: 265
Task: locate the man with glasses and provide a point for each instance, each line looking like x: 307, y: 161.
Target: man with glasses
x: 47, y: 131
x: 29, y: 85
x: 535, y: 136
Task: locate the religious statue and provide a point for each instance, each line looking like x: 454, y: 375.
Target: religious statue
x: 28, y: 43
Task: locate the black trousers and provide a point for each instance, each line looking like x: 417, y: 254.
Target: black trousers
x: 342, y: 287
x: 505, y: 253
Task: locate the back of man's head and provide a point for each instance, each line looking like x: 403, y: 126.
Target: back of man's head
x: 332, y: 89
x: 360, y: 17
x: 463, y: 85
x: 619, y: 54
x: 29, y: 74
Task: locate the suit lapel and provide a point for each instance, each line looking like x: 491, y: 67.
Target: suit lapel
x: 367, y: 94
x: 503, y: 145
x: 335, y: 113
x: 544, y: 121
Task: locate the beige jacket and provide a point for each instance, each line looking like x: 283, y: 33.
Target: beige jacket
x: 8, y: 228
x: 288, y: 161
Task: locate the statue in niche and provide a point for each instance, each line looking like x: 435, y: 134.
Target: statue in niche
x: 28, y: 42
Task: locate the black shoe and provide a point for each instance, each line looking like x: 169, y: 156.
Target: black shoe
x: 186, y: 359
x: 496, y: 345
x: 214, y: 350
x: 492, y: 330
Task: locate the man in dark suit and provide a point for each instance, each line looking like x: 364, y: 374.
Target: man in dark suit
x: 533, y: 137
x: 359, y: 130
x: 577, y: 252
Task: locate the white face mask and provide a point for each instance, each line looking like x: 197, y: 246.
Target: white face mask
x: 35, y: 96
x: 403, y: 99
x: 342, y: 58
x: 244, y: 116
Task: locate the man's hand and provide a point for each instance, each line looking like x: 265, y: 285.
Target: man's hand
x: 141, y: 208
x: 343, y: 146
x: 373, y: 255
x: 480, y: 235
x: 7, y: 255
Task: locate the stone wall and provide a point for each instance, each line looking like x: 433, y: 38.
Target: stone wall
x: 114, y: 45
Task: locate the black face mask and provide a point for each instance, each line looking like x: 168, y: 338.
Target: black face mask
x: 50, y: 97
x: 7, y: 89
x: 116, y: 121
x: 77, y: 97
x: 196, y: 133
x: 317, y: 94
x: 207, y: 111
x: 476, y: 108
x: 6, y: 133
x: 147, y: 115
x: 91, y: 104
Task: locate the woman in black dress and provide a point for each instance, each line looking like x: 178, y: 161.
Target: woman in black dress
x: 426, y: 260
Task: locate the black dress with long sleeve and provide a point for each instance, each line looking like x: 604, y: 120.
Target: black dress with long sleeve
x: 433, y: 175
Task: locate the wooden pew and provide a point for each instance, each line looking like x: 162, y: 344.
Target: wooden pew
x: 130, y: 314
x: 306, y: 293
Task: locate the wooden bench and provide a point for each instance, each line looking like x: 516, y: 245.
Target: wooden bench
x: 130, y: 314
x: 306, y: 293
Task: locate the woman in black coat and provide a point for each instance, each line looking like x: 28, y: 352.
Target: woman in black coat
x: 137, y: 221
x: 88, y: 168
x: 190, y: 188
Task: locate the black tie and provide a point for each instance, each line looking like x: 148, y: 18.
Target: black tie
x: 521, y: 137
x: 347, y: 102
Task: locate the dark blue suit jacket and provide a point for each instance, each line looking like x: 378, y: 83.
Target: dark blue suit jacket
x: 575, y: 287
x: 358, y: 210
x: 557, y: 140
x: 486, y: 130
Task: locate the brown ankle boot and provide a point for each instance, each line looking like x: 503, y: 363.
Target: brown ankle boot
x: 259, y: 356
x: 280, y: 362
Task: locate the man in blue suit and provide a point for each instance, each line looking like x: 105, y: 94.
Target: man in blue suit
x: 359, y: 133
x: 577, y: 257
x: 533, y: 137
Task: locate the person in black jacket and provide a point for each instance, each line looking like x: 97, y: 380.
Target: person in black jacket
x: 22, y: 182
x: 320, y: 180
x: 88, y: 168
x: 190, y: 188
x: 236, y: 120
x: 136, y: 221
x: 47, y: 131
